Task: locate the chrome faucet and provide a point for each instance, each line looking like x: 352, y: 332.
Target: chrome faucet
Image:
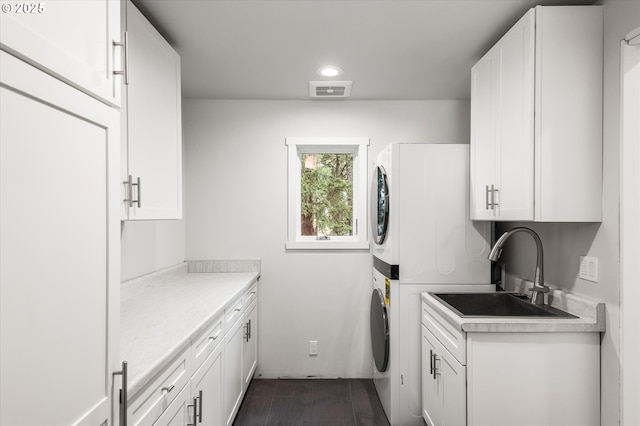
x: 539, y: 289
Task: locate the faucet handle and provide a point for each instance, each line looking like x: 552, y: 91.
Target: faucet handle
x: 538, y: 292
x: 540, y: 288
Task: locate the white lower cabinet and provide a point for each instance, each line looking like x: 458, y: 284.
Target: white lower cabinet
x: 250, y: 346
x: 508, y: 378
x: 179, y: 412
x: 206, y: 386
x: 443, y: 384
x: 233, y: 380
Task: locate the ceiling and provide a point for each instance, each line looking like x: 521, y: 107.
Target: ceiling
x: 393, y: 49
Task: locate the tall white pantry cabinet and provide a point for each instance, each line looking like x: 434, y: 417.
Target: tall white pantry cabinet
x: 60, y: 209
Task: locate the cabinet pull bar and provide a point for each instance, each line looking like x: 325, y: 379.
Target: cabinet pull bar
x: 486, y: 197
x: 195, y: 411
x: 128, y: 191
x: 249, y: 329
x: 200, y: 407
x: 493, y: 197
x: 167, y: 389
x: 139, y: 191
x: 435, y: 367
x: 123, y: 393
x: 431, y: 360
x: 125, y: 64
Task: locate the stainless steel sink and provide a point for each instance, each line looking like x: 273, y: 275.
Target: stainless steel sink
x: 497, y: 305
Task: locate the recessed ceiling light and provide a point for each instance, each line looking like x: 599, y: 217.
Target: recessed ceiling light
x: 330, y: 71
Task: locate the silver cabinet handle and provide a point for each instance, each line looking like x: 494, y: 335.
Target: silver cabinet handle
x: 195, y: 411
x: 125, y: 63
x: 200, y: 407
x: 431, y: 360
x: 490, y: 204
x: 216, y: 336
x: 127, y: 188
x: 246, y: 332
x: 486, y: 196
x: 123, y: 393
x: 129, y: 185
x: 249, y: 329
x: 139, y: 191
x: 493, y: 197
x: 167, y: 389
x: 435, y: 367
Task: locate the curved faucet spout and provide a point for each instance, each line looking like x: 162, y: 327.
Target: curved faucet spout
x: 538, y: 289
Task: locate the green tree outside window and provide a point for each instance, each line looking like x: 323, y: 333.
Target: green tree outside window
x: 327, y: 194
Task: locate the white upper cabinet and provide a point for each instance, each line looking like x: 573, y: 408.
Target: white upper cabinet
x: 153, y: 128
x: 536, y: 120
x: 72, y: 40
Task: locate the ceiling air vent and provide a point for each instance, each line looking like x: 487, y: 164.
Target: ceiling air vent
x: 330, y: 89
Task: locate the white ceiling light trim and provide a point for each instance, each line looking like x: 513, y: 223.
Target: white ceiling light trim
x: 330, y: 71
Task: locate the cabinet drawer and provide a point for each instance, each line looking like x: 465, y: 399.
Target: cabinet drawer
x: 150, y: 403
x: 452, y: 339
x: 233, y: 314
x: 251, y: 295
x: 206, y: 342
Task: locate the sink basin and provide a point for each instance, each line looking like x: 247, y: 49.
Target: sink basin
x: 496, y: 305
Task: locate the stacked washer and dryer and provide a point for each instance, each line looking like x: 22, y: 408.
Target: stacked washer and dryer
x: 424, y: 241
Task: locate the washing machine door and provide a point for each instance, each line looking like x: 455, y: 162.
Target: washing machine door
x: 379, y: 331
x: 379, y: 205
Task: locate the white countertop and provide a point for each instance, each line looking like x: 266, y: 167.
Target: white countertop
x: 591, y: 317
x: 160, y: 313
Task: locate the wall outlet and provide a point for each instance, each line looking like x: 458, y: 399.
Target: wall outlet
x: 589, y: 268
x: 313, y: 348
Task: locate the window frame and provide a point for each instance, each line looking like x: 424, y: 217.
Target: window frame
x: 356, y: 146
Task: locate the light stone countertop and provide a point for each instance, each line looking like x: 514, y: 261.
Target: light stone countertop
x: 591, y: 317
x: 161, y: 313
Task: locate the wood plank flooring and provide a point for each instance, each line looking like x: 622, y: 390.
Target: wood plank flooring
x: 317, y: 402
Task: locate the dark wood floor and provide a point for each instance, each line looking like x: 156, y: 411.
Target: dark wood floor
x: 321, y: 402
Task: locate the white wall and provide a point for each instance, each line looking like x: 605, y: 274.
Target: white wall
x: 150, y: 245
x: 236, y: 201
x: 565, y: 243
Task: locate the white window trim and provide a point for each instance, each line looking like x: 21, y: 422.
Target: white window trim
x: 298, y: 146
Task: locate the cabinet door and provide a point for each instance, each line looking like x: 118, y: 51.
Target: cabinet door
x: 72, y: 40
x: 444, y: 391
x: 59, y: 251
x: 483, y: 136
x: 431, y: 387
x: 452, y: 376
x: 179, y: 412
x: 250, y: 349
x: 233, y: 379
x: 515, y: 137
x: 502, y: 131
x: 154, y: 130
x: 207, y: 384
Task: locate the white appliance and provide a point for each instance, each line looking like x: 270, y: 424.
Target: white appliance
x: 424, y: 241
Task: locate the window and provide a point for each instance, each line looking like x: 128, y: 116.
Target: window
x: 327, y: 193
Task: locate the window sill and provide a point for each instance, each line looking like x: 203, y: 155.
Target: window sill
x: 327, y: 245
